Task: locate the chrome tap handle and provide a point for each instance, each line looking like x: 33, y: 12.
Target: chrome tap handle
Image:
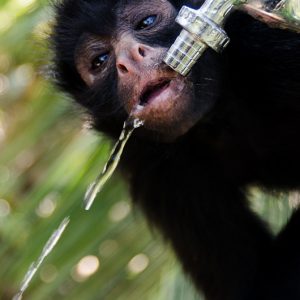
x: 201, y: 29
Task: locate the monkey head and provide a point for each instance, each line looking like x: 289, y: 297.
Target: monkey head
x: 108, y: 56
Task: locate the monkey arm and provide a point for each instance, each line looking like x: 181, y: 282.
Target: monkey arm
x: 219, y: 241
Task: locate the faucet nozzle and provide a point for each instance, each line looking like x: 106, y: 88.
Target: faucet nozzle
x: 201, y: 29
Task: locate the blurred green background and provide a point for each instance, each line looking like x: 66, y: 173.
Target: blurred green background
x: 47, y: 160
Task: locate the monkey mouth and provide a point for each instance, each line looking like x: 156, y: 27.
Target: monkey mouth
x: 153, y: 90
x: 163, y: 102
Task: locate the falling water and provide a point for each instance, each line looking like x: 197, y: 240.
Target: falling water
x: 45, y: 252
x: 129, y: 126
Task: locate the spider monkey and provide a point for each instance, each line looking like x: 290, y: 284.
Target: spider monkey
x: 234, y: 121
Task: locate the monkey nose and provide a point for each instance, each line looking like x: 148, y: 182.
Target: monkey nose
x: 130, y: 61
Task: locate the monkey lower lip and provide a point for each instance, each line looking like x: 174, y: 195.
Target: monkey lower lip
x: 153, y: 91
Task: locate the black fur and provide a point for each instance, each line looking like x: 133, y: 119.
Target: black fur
x: 194, y: 188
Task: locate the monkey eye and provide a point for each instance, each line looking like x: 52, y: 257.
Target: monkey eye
x: 98, y: 61
x: 148, y: 21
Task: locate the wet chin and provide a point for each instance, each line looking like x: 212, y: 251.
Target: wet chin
x: 168, y: 128
x: 170, y: 112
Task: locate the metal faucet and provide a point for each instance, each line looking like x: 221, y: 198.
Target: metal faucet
x: 203, y: 28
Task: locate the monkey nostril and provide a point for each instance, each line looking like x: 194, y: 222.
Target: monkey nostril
x: 141, y: 51
x: 122, y: 68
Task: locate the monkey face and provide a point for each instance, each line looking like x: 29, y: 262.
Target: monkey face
x: 119, y: 62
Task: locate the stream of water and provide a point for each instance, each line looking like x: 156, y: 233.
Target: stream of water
x: 129, y: 126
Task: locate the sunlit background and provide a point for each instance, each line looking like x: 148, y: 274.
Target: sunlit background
x: 47, y: 160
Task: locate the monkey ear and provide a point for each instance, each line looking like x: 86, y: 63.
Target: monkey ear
x: 84, y: 72
x: 83, y: 63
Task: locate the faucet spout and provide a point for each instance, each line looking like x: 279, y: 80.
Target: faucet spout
x: 203, y: 28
